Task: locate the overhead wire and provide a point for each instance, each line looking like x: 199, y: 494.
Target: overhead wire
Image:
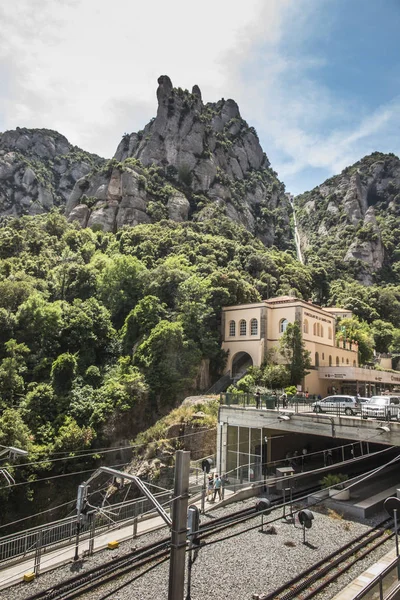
x: 252, y: 516
x: 94, y: 451
x: 247, y: 517
x: 299, y: 475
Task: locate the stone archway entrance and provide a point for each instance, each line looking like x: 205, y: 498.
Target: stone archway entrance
x: 240, y: 363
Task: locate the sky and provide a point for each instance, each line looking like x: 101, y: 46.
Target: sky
x: 318, y: 79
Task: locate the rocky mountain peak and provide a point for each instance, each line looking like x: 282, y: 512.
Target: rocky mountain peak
x: 39, y: 143
x: 192, y: 161
x: 348, y: 216
x: 38, y: 170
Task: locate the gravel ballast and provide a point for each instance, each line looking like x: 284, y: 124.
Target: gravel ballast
x: 250, y: 563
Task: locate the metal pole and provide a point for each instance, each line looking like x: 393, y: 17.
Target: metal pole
x: 78, y: 530
x: 92, y: 534
x: 190, y: 562
x: 396, y: 533
x: 203, y: 493
x: 179, y: 527
x: 284, y: 503
x: 221, y: 428
x: 38, y: 552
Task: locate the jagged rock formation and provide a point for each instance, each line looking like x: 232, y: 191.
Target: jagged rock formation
x: 353, y: 219
x: 38, y: 170
x: 192, y: 161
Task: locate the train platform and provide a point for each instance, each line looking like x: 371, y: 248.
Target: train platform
x: 380, y: 570
x: 364, y: 499
x: 12, y: 574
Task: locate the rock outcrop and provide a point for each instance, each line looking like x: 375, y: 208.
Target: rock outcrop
x: 192, y: 161
x: 349, y: 217
x: 38, y: 170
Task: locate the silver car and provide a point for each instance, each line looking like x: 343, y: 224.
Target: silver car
x: 382, y: 407
x: 337, y: 404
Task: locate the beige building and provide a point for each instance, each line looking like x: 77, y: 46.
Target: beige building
x: 250, y: 331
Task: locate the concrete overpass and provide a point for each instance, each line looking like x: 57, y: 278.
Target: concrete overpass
x: 249, y: 436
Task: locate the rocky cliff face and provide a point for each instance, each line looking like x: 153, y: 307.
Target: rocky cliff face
x: 353, y: 219
x: 38, y: 170
x: 193, y: 161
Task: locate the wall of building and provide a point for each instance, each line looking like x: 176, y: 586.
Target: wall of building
x: 252, y: 344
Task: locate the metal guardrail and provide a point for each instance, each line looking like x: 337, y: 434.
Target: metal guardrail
x: 302, y: 404
x: 384, y: 586
x: 59, y: 532
x: 269, y: 401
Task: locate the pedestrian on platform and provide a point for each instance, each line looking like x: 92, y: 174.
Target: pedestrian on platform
x: 303, y: 457
x: 283, y: 399
x: 257, y: 397
x: 217, y: 487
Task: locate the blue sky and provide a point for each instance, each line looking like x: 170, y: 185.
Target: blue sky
x: 319, y: 79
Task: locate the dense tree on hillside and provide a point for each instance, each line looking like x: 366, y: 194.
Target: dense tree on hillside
x: 296, y: 356
x: 97, y: 329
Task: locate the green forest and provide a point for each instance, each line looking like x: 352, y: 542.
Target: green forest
x: 102, y: 333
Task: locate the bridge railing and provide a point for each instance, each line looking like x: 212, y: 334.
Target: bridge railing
x: 384, y: 586
x: 62, y: 531
x: 270, y: 401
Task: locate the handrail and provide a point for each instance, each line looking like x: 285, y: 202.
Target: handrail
x: 379, y: 580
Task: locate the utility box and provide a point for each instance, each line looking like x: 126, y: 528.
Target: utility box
x: 29, y: 576
x: 285, y: 472
x: 112, y: 545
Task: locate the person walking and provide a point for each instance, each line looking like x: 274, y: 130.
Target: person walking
x: 257, y: 397
x: 217, y: 487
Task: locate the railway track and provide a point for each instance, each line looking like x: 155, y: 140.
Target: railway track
x: 312, y: 581
x: 156, y: 553
x: 84, y: 583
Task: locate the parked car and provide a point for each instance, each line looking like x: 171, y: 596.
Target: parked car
x: 336, y: 404
x: 382, y: 407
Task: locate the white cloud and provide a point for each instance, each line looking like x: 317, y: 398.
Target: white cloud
x: 89, y: 69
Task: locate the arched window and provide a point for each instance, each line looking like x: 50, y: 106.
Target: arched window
x: 282, y: 325
x: 318, y: 329
x: 242, y: 327
x: 330, y: 333
x: 354, y: 363
x: 347, y: 361
x: 254, y: 327
x: 337, y: 361
x: 314, y: 329
x: 330, y: 361
x: 232, y: 328
x: 342, y: 359
x: 305, y: 326
x: 316, y: 359
x: 322, y: 331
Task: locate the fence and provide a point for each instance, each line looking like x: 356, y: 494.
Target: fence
x: 59, y: 532
x: 384, y: 586
x: 300, y: 461
x: 336, y: 405
x: 270, y: 401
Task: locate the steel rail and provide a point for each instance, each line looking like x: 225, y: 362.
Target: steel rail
x: 119, y: 565
x: 310, y: 582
